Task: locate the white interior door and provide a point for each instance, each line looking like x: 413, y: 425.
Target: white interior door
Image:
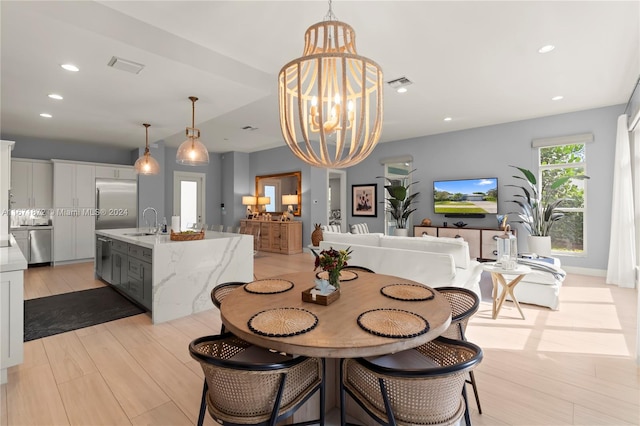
x: 189, y: 198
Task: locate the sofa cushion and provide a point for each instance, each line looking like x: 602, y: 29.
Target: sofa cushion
x: 348, y: 238
x: 331, y: 228
x: 360, y: 228
x: 456, y: 247
x: 432, y: 269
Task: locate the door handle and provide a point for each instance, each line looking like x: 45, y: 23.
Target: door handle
x: 97, y: 204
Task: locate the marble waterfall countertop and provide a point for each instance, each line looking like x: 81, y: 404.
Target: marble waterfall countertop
x: 154, y: 240
x: 11, y: 258
x: 185, y: 272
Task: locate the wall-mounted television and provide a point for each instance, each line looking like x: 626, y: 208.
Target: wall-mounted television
x: 466, y: 197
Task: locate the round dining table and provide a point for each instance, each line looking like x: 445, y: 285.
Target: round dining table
x: 375, y: 314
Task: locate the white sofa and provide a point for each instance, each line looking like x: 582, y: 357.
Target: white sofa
x: 436, y: 262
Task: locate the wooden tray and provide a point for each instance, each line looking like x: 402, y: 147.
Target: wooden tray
x: 320, y: 299
x: 187, y: 237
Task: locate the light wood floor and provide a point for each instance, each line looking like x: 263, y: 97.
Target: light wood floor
x: 573, y: 366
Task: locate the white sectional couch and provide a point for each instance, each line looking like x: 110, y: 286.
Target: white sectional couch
x: 436, y: 262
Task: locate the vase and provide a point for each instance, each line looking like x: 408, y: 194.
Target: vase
x: 401, y: 232
x: 540, y: 245
x: 316, y: 235
x: 334, y: 278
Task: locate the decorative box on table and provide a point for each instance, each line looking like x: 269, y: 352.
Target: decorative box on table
x: 320, y: 299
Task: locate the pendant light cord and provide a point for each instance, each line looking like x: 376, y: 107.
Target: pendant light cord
x: 146, y: 144
x: 330, y: 15
x: 193, y: 111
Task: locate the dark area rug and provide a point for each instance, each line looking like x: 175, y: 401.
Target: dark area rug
x: 51, y: 315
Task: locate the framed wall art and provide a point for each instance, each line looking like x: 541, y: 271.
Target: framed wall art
x: 364, y: 200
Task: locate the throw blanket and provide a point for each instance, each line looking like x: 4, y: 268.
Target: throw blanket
x: 558, y: 273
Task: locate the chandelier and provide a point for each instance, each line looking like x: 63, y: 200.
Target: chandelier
x: 330, y: 99
x: 192, y: 152
x: 146, y: 164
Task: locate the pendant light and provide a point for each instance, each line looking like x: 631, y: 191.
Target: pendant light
x: 330, y: 99
x: 146, y: 164
x: 192, y: 152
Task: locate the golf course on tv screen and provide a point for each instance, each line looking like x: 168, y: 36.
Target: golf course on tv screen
x: 466, y: 196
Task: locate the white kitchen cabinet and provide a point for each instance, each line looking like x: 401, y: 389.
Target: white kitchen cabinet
x: 11, y: 321
x: 73, y: 237
x: 115, y: 172
x: 73, y: 185
x: 31, y: 182
x: 74, y: 203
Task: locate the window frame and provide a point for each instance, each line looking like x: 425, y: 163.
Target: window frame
x: 582, y: 164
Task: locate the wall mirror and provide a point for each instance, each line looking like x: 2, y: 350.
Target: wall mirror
x: 277, y: 187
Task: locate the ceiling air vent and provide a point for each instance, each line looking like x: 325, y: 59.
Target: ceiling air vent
x: 399, y: 82
x: 250, y: 128
x: 125, y: 65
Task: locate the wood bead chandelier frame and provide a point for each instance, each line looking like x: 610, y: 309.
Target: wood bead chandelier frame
x: 330, y: 99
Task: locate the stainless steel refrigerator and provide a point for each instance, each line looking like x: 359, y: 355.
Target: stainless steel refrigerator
x: 116, y: 203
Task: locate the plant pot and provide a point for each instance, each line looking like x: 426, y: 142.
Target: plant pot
x: 401, y: 232
x: 540, y: 245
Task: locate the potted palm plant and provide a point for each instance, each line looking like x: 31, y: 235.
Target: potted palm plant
x: 400, y: 203
x: 539, y: 209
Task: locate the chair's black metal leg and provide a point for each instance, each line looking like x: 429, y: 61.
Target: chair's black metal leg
x: 343, y: 397
x: 475, y: 390
x: 203, y: 403
x: 322, y: 392
x: 467, y: 415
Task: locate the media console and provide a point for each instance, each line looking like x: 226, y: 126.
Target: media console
x: 482, y: 241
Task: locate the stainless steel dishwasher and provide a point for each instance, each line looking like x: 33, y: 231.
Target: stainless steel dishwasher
x: 104, y: 259
x: 39, y: 246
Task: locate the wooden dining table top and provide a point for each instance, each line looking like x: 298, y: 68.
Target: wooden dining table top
x: 337, y: 333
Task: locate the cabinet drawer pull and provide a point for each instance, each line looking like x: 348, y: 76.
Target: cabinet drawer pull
x: 495, y: 238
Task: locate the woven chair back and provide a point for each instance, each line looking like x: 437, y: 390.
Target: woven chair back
x: 221, y: 291
x: 432, y: 395
x: 464, y: 303
x: 244, y: 391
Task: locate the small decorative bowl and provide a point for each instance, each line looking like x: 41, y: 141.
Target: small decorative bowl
x: 460, y: 224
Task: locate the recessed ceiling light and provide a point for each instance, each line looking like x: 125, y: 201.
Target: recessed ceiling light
x: 45, y: 115
x: 557, y: 98
x: 546, y: 49
x: 402, y: 90
x: 70, y: 67
x: 448, y: 119
x: 55, y: 96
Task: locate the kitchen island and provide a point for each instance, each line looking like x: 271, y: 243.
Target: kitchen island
x: 172, y: 279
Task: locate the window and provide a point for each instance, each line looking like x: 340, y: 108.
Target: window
x: 567, y: 234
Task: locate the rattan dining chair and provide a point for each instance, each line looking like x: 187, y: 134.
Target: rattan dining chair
x: 464, y: 303
x: 423, y: 385
x: 358, y: 268
x: 252, y: 385
x: 219, y: 292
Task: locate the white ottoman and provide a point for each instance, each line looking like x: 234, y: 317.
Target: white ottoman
x: 540, y: 287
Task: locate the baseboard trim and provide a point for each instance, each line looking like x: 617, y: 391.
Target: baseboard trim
x: 585, y: 271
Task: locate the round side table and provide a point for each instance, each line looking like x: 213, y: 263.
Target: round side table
x: 497, y: 276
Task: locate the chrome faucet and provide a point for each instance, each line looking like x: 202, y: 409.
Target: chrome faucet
x: 155, y: 224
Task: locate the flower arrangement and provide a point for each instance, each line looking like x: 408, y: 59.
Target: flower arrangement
x: 333, y: 261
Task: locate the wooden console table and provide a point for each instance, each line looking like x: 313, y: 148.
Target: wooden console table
x: 275, y: 236
x: 482, y: 241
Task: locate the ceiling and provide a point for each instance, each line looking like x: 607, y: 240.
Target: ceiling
x: 476, y: 62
